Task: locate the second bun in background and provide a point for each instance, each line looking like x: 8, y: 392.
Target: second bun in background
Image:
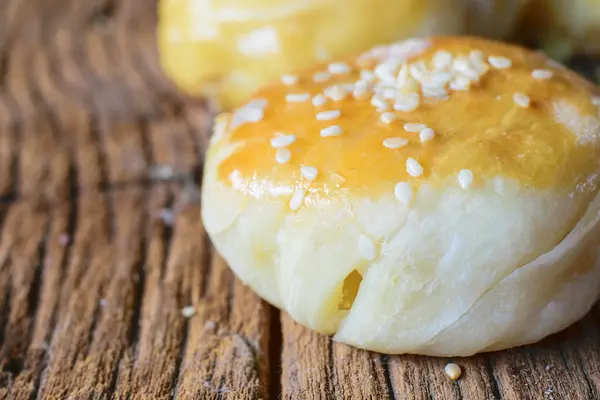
x: 228, y: 49
x: 562, y: 27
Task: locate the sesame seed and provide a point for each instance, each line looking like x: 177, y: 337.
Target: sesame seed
x: 453, y: 371
x: 442, y: 59
x: 426, y: 135
x: 333, y: 130
x: 297, y: 97
x: 476, y: 56
x: 412, y: 127
x: 319, y: 100
x: 384, y: 73
x: 309, y: 173
x: 258, y: 103
x: 541, y: 74
x: 321, y: 76
x: 250, y: 114
x: 596, y: 101
x: 339, y: 68
x: 403, y: 192
x: 499, y: 62
x: 328, y: 115
x: 465, y: 178
x: 389, y: 93
x: 435, y: 91
x: 283, y: 155
x: 297, y: 199
x: 407, y: 102
x: 361, y: 92
x: 460, y: 83
x: 367, y: 75
x: 379, y: 102
x: 439, y: 78
x: 462, y: 65
x: 413, y: 167
x: 336, y: 93
x: 521, y: 99
x: 388, y: 117
x: 289, y: 79
x: 366, y: 248
x: 395, y: 142
x: 188, y: 312
x: 282, y: 140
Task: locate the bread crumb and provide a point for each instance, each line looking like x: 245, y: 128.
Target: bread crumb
x: 453, y: 371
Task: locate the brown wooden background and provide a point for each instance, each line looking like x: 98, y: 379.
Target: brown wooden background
x: 98, y: 256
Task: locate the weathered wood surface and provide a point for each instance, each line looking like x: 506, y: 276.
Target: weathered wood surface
x: 98, y: 256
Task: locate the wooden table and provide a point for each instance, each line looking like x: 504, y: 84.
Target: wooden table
x: 99, y: 256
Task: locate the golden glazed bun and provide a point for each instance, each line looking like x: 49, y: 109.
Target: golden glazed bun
x: 435, y: 196
x: 229, y: 48
x: 564, y: 27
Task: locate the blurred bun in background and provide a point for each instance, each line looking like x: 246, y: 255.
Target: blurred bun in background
x: 563, y: 27
x: 226, y: 49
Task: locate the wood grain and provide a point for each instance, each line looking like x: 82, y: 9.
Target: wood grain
x: 99, y: 256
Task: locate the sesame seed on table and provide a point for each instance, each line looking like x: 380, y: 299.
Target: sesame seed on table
x: 131, y: 307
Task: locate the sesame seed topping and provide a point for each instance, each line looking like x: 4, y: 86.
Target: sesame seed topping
x: 541, y: 74
x: 321, y: 76
x: 367, y: 75
x: 442, y: 59
x: 258, y: 103
x: 336, y: 93
x: 297, y: 97
x: 395, y: 142
x: 367, y: 248
x: 319, y: 100
x: 435, y: 92
x: 413, y: 167
x: 461, y: 64
x: 328, y: 115
x: 521, y: 99
x: 460, y: 83
x: 426, y: 135
x: 309, y: 173
x: 407, y: 102
x: 361, y: 92
x: 476, y: 56
x: 282, y: 140
x: 339, y: 68
x: 379, y: 102
x: 465, y: 178
x: 283, y: 155
x: 333, y: 130
x: 403, y: 192
x: 412, y: 127
x: 596, y: 101
x: 499, y: 62
x: 289, y: 79
x: 453, y: 371
x: 297, y: 199
x: 388, y: 117
x: 250, y: 114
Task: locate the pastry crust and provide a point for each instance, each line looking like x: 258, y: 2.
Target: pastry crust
x: 228, y: 48
x: 435, y: 196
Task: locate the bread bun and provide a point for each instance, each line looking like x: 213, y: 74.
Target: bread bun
x: 228, y: 48
x: 563, y: 27
x: 435, y: 196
